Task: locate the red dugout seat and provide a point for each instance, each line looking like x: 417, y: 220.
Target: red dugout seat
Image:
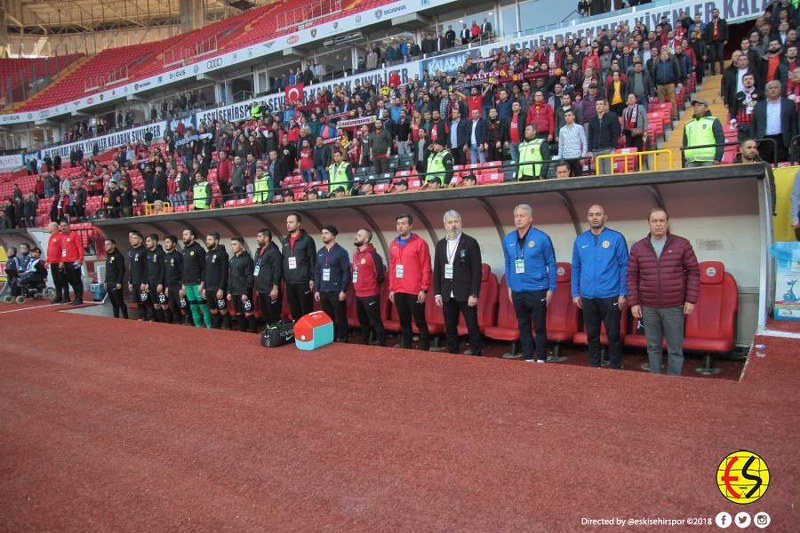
x: 712, y: 326
x: 487, y: 303
x: 506, y: 328
x: 563, y: 316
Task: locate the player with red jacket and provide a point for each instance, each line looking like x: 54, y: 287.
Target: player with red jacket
x: 410, y: 277
x: 368, y: 274
x: 72, y: 260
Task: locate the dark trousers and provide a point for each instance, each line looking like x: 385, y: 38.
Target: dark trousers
x: 369, y: 317
x: 60, y: 282
x: 575, y: 167
x: 407, y: 306
x: 174, y: 301
x: 459, y: 156
x: 451, y: 309
x: 716, y: 52
x: 605, y: 311
x: 75, y: 279
x: 337, y: 310
x: 271, y: 310
x: 381, y: 165
x: 118, y: 302
x: 767, y: 149
x: 301, y: 299
x: 225, y: 189
x: 531, y: 306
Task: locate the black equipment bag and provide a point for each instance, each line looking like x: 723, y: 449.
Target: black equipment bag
x: 278, y: 334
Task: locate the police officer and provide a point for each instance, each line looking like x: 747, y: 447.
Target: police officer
x: 240, y: 284
x: 115, y: 276
x: 267, y: 273
x: 201, y: 192
x: 440, y: 164
x: 331, y: 276
x: 299, y: 255
x: 137, y: 272
x: 531, y: 277
x: 367, y: 276
x: 457, y: 282
x: 599, y: 283
x: 173, y: 275
x: 154, y: 278
x: 194, y: 265
x: 262, y: 191
x: 535, y: 151
x: 340, y: 174
x: 215, y: 281
x: 704, y: 130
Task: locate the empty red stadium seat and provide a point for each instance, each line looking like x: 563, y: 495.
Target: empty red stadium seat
x: 711, y: 328
x: 563, y: 316
x: 487, y: 302
x: 506, y: 328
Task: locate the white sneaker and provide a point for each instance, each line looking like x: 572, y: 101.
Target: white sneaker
x: 540, y: 360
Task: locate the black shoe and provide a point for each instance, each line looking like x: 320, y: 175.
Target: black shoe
x: 57, y: 301
x: 76, y: 302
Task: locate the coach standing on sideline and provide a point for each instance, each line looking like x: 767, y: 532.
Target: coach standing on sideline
x: 54, y: 259
x: 115, y: 274
x: 72, y: 260
x: 663, y: 286
x: 409, y: 281
x: 299, y: 253
x: 331, y: 276
x: 368, y: 274
x: 267, y: 274
x: 600, y: 283
x: 531, y: 277
x: 457, y: 282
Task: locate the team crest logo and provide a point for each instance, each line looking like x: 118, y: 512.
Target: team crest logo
x: 531, y: 244
x: 711, y: 272
x: 363, y: 261
x: 606, y: 244
x: 560, y: 271
x: 213, y: 258
x: 191, y: 253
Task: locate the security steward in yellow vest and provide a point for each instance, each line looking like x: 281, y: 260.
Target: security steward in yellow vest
x: 705, y: 130
x: 255, y: 111
x: 440, y: 164
x: 201, y: 193
x: 340, y: 174
x: 535, y: 150
x: 262, y: 192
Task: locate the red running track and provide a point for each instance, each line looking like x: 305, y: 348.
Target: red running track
x: 111, y: 425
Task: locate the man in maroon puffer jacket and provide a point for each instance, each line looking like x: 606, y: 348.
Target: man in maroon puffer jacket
x: 663, y: 286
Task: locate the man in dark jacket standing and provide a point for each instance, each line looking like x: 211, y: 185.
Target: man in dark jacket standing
x: 663, y: 287
x: 115, y: 274
x: 240, y: 284
x: 299, y: 256
x: 457, y: 282
x: 380, y: 142
x: 194, y: 264
x: 716, y: 37
x: 267, y: 273
x: 137, y: 272
x: 604, y: 129
x: 331, y: 277
x: 215, y: 283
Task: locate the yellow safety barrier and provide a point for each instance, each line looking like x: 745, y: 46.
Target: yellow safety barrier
x: 157, y: 208
x: 635, y: 161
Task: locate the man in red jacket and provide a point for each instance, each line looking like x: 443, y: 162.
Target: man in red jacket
x: 409, y: 280
x: 541, y: 117
x: 224, y: 173
x: 368, y: 274
x: 54, y: 260
x: 663, y: 286
x: 72, y: 260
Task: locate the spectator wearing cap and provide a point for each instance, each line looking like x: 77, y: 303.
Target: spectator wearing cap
x: 340, y: 174
x: 399, y: 186
x: 440, y: 164
x: 705, y: 132
x: 331, y: 277
x: 470, y: 180
x: 366, y: 187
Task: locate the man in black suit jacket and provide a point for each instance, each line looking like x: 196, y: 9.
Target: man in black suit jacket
x: 716, y: 37
x: 781, y: 133
x: 458, y: 139
x: 457, y: 282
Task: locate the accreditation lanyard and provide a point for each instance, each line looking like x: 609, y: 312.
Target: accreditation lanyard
x: 519, y: 263
x: 326, y: 271
x: 398, y: 268
x: 448, y: 268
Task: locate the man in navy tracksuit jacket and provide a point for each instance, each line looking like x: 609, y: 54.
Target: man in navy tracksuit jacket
x: 531, y: 278
x: 600, y: 283
x: 331, y: 277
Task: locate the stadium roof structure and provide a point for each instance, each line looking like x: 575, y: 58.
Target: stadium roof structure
x: 44, y: 17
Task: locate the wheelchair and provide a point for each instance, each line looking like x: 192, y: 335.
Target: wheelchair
x: 29, y: 285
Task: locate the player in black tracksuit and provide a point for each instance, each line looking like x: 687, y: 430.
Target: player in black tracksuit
x: 299, y: 257
x: 137, y: 272
x: 115, y: 278
x: 215, y: 281
x: 267, y: 273
x: 173, y: 276
x: 154, y: 278
x: 194, y: 265
x: 240, y: 285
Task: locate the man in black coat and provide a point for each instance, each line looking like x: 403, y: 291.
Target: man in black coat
x: 299, y: 259
x: 268, y: 274
x: 457, y: 282
x: 458, y: 139
x: 716, y: 37
x: 781, y: 131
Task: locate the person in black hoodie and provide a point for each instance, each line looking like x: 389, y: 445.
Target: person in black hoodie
x: 115, y: 275
x: 267, y: 273
x: 331, y: 277
x: 216, y: 282
x: 240, y: 284
x: 194, y: 265
x: 137, y: 272
x: 173, y: 274
x: 299, y: 255
x: 154, y: 278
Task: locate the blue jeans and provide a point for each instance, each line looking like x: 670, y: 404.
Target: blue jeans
x: 308, y: 175
x: 514, y: 147
x: 476, y: 155
x: 322, y: 174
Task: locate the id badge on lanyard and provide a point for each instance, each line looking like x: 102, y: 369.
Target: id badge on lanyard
x: 292, y: 263
x: 355, y: 276
x: 448, y: 271
x: 519, y: 266
x: 257, y: 270
x: 398, y: 271
x: 326, y: 274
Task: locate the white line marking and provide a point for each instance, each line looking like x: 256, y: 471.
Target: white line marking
x: 775, y: 333
x: 43, y: 306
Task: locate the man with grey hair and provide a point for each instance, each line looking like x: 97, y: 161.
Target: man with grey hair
x: 774, y: 118
x: 457, y: 282
x: 530, y: 265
